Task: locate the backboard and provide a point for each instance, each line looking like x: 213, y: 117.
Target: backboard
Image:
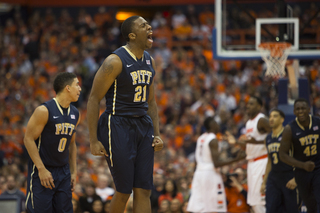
x: 241, y: 25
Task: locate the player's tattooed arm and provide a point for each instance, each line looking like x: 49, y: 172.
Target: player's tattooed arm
x: 105, y: 77
x: 285, y: 146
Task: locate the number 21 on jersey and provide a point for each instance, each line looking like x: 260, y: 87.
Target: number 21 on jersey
x: 137, y: 95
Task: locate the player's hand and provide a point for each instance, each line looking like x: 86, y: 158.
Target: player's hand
x: 309, y: 166
x: 157, y: 143
x: 291, y: 184
x: 46, y: 178
x: 263, y: 189
x: 73, y: 181
x: 97, y: 149
x: 241, y: 155
x: 230, y: 138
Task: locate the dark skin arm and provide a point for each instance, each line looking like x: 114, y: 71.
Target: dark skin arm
x: 215, y: 155
x: 35, y: 126
x: 263, y: 127
x: 153, y: 113
x: 285, y: 145
x: 73, y: 158
x: 106, y: 75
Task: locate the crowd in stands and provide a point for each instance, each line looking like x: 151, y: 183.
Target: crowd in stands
x: 190, y: 85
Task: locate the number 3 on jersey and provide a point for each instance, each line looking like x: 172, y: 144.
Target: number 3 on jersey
x: 275, y: 158
x: 137, y: 95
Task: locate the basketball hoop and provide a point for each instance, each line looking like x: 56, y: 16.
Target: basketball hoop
x: 275, y: 55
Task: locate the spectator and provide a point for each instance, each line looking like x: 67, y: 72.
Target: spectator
x: 236, y: 192
x: 184, y: 207
x: 103, y: 189
x: 158, y: 186
x: 13, y: 189
x: 178, y: 19
x: 76, y: 206
x: 158, y: 21
x: 170, y: 192
x: 97, y: 206
x: 106, y: 206
x: 175, y: 206
x: 86, y: 201
x: 164, y: 206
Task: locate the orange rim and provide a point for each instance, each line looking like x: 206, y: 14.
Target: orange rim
x: 276, y: 48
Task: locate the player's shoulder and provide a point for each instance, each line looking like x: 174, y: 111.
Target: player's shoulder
x: 46, y: 106
x: 269, y: 136
x: 146, y: 53
x: 316, y: 119
x: 119, y: 50
x: 74, y: 108
x: 262, y: 116
x: 43, y: 108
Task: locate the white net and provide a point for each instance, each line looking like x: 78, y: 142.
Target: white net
x: 275, y: 55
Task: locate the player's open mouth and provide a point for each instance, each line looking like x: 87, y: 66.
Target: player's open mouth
x: 150, y: 38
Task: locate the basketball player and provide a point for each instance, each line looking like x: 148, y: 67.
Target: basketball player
x: 303, y: 135
x: 207, y: 192
x: 257, y: 128
x: 129, y: 127
x: 278, y: 182
x: 50, y: 142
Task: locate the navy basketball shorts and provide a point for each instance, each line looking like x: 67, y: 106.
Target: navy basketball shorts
x: 41, y: 199
x: 309, y: 188
x: 280, y: 199
x: 128, y: 142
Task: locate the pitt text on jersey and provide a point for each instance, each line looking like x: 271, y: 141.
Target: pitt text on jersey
x: 310, y: 142
x: 273, y: 147
x: 140, y: 77
x: 63, y: 129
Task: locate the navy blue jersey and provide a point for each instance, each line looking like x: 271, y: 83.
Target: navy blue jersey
x: 53, y: 143
x: 128, y: 95
x: 273, y: 145
x: 306, y: 141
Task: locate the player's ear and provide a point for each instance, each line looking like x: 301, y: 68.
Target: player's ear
x: 132, y: 36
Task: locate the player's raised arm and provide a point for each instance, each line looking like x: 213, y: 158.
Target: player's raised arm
x: 34, y: 129
x: 285, y: 145
x: 153, y: 113
x: 105, y: 77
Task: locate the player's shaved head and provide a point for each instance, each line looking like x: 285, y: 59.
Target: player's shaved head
x: 303, y: 100
x: 126, y: 27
